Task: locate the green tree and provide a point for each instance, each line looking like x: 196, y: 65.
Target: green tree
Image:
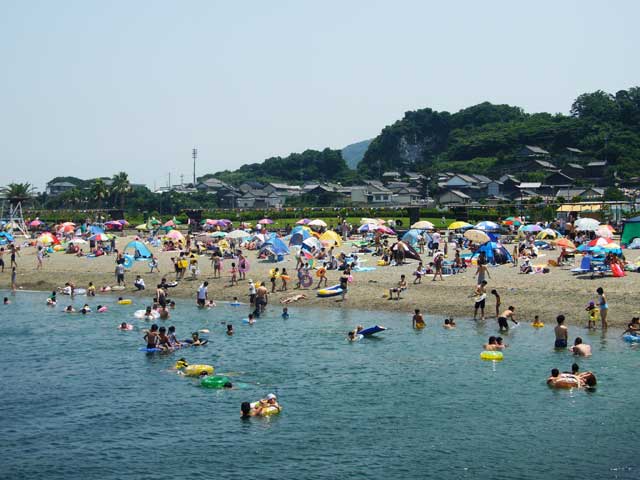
x: 99, y: 191
x: 18, y: 192
x: 120, y: 187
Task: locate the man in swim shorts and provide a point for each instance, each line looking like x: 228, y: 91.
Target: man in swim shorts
x: 151, y: 337
x: 508, y: 314
x: 562, y: 333
x: 580, y: 349
x: 202, y: 294
x: 480, y: 299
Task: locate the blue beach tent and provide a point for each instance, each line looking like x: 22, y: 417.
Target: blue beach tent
x: 495, y: 253
x: 276, y: 246
x: 140, y: 249
x: 299, y: 236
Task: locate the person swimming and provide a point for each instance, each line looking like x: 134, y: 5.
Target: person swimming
x: 229, y: 329
x: 492, y: 344
x: 285, y: 313
x: 85, y: 309
x: 69, y: 309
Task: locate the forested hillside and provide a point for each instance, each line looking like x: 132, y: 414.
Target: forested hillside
x: 485, y: 138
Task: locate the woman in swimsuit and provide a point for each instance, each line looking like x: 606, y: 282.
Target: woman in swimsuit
x: 604, y: 308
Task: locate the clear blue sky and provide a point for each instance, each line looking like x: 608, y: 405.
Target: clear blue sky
x: 92, y: 87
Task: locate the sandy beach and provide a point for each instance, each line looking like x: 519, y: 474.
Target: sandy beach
x: 546, y: 295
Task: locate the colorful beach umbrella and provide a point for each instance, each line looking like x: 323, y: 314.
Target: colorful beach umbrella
x: 266, y: 221
x: 35, y: 223
x: 218, y: 234
x: 175, y: 235
x: 47, y: 238
x: 487, y: 226
x: 604, y: 232
x: 385, y: 229
x: 331, y: 238
x: 303, y: 221
x: 100, y: 237
x: 599, y: 242
x: 548, y: 233
x: 564, y: 243
x: 531, y: 228
x: 142, y: 226
x: 238, y: 234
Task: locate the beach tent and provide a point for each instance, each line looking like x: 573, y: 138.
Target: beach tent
x: 413, y: 236
x: 275, y: 245
x: 495, y: 253
x: 94, y: 229
x: 299, y: 235
x: 5, y: 237
x: 330, y: 237
x: 630, y: 230
x: 409, y: 251
x: 140, y: 249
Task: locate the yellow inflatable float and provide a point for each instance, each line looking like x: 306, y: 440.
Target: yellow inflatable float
x: 496, y: 356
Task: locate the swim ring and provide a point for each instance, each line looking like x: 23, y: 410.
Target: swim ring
x: 330, y: 292
x: 125, y: 301
x: 102, y: 309
x: 565, y: 380
x: 628, y: 337
x: 266, y: 411
x: 214, y: 381
x: 149, y: 350
x: 537, y: 325
x: 128, y: 327
x: 197, y: 370
x: 80, y: 291
x: 143, y: 313
x: 128, y: 261
x: 496, y: 356
x: 306, y: 281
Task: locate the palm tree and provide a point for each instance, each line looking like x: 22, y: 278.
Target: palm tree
x: 99, y: 191
x: 18, y: 192
x: 72, y: 198
x: 120, y: 187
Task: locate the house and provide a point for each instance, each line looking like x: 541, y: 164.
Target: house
x: 378, y: 194
x: 260, y: 199
x: 532, y: 151
x: 391, y: 176
x: 558, y: 179
x: 228, y: 197
x: 529, y: 190
x: 248, y: 186
x: 588, y: 193
x: 596, y: 169
x: 56, y: 188
x: 509, y: 184
x: 493, y: 188
x: 575, y: 170
x: 211, y: 185
x: 548, y: 166
x: 406, y: 196
x: 326, y: 194
x: 415, y: 179
x: 454, y: 197
x: 283, y: 189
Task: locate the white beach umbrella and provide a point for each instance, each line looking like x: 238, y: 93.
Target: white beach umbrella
x: 587, y: 224
x: 317, y: 223
x: 477, y: 236
x: 423, y: 225
x: 238, y: 234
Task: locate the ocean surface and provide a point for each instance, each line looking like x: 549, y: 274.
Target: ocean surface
x: 80, y: 401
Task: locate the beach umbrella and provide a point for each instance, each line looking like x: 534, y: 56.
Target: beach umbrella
x: 367, y: 227
x: 303, y: 221
x: 365, y: 220
x: 123, y: 222
x: 6, y: 237
x: 35, y: 223
x: 423, y: 225
x: 219, y: 234
x: 47, y: 238
x: 477, y: 236
x: 67, y: 229
x: 548, y: 233
x: 170, y: 223
x: 210, y: 221
x: 64, y: 224
x: 317, y: 223
x: 613, y: 246
x: 400, y: 245
x: 487, y: 226
x: 564, y: 242
x: 238, y: 234
x: 604, y: 232
x: 100, y: 237
x: 311, y: 242
x: 175, y: 235
x: 599, y: 242
x: 78, y: 241
x: 154, y: 221
x: 142, y: 226
x: 265, y: 221
x: 531, y: 228
x: 459, y: 225
x: 586, y: 224
x: 330, y: 237
x: 385, y: 229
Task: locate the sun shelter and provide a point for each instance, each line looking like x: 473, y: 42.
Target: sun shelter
x: 299, y: 235
x: 276, y: 246
x: 495, y: 253
x: 140, y: 250
x: 630, y: 230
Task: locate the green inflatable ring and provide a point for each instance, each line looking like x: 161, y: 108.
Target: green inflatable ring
x: 214, y: 381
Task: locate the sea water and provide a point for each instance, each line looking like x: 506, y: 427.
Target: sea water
x: 79, y: 400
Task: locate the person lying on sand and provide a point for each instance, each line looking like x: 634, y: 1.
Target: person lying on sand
x: 293, y: 298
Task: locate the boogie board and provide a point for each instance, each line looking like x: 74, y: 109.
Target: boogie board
x: 371, y: 330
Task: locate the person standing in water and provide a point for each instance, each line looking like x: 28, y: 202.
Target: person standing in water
x: 480, y: 299
x: 603, y: 306
x: 508, y: 314
x: 418, y: 319
x: 562, y: 333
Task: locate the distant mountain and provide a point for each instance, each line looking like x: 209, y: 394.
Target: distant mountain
x: 353, y: 153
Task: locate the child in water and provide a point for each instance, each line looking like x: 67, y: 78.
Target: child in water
x: 250, y: 319
x: 229, y: 329
x: 285, y: 313
x: 594, y: 315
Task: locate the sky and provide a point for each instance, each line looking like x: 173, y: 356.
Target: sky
x: 90, y: 88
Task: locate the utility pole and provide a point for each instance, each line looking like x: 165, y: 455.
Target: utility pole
x: 194, y: 154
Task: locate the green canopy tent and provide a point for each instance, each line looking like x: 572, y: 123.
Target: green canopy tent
x: 630, y: 230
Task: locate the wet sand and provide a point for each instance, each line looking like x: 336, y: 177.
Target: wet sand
x: 546, y: 295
